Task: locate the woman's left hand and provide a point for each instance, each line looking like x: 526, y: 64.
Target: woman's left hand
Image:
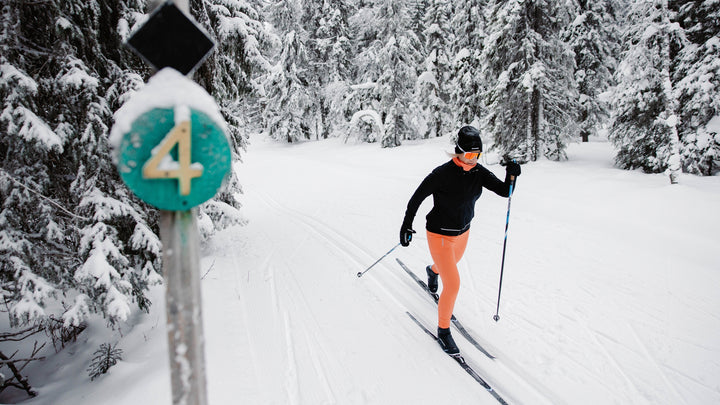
x: 513, y: 169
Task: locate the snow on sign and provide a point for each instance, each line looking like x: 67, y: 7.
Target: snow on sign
x: 170, y: 143
x: 169, y: 38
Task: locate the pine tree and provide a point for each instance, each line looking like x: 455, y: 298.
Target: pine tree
x: 105, y: 357
x: 229, y: 75
x: 329, y: 52
x: 645, y: 120
x: 335, y: 40
x: 467, y: 88
x: 400, y: 56
x: 433, y: 81
x: 696, y: 78
x: 416, y: 11
x: 532, y: 102
x: 74, y: 242
x: 289, y: 106
x: 594, y: 37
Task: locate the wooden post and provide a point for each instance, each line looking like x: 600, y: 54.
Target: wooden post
x: 181, y: 263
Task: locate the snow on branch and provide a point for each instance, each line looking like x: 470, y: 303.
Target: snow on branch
x: 11, y: 77
x: 53, y: 202
x: 34, y: 129
x: 366, y: 118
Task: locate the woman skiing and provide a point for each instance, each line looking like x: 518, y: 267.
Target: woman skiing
x: 455, y: 187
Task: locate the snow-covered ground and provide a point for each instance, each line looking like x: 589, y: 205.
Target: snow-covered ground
x: 610, y: 293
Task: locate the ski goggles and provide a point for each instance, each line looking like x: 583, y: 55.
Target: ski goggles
x: 469, y: 155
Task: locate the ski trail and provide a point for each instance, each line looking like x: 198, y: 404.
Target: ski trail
x: 294, y: 293
x: 657, y: 366
x: 292, y: 385
x: 330, y: 237
x: 320, y: 229
x: 613, y: 361
x: 320, y: 371
x: 288, y: 291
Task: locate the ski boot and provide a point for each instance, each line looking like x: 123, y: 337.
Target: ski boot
x: 432, y: 279
x: 447, y: 342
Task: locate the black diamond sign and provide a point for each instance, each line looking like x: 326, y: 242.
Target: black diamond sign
x: 169, y: 38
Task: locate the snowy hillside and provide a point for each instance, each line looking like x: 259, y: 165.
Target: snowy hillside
x: 609, y: 296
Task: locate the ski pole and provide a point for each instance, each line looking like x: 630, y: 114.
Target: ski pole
x: 496, y: 317
x: 360, y: 274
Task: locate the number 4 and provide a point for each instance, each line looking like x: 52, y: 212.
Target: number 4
x: 162, y: 166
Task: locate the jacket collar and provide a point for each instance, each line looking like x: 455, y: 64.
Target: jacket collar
x: 466, y: 167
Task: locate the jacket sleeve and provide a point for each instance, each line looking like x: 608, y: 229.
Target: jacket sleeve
x: 423, y: 191
x: 492, y: 183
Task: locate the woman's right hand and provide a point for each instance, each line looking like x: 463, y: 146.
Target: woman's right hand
x: 406, y: 235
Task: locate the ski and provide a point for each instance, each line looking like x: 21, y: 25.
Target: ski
x: 453, y: 319
x: 461, y: 361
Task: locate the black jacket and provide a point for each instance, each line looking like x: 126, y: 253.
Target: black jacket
x: 454, y: 192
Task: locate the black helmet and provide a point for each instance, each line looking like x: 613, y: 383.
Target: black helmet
x: 468, y: 140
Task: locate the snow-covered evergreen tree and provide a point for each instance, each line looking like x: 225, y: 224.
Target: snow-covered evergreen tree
x: 432, y: 87
x: 696, y: 78
x: 645, y: 124
x: 594, y: 37
x: 230, y: 75
x: 335, y: 40
x: 73, y: 241
x: 289, y: 105
x: 532, y: 101
x: 399, y: 58
x: 416, y: 12
x: 467, y: 88
x: 329, y: 51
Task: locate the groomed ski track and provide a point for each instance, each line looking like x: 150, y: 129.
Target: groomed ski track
x: 299, y: 327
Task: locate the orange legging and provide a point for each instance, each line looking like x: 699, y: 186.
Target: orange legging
x: 446, y: 252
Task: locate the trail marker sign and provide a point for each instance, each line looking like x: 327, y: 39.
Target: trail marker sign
x: 169, y: 38
x: 174, y: 158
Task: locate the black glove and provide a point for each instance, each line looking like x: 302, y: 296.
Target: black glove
x: 406, y: 232
x: 512, y: 169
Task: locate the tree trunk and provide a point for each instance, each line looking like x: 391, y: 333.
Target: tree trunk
x: 536, y: 121
x: 671, y: 118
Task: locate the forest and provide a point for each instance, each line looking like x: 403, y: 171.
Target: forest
x: 532, y: 75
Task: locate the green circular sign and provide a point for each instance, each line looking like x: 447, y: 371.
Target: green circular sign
x: 174, y: 164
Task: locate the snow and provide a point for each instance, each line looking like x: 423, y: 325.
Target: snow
x: 713, y: 126
x: 371, y: 115
x: 77, y: 78
x: 168, y: 88
x: 579, y: 20
x: 609, y: 292
x: 35, y: 129
x: 364, y: 86
x: 10, y: 74
x: 462, y: 54
x: 97, y: 269
x: 427, y: 77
